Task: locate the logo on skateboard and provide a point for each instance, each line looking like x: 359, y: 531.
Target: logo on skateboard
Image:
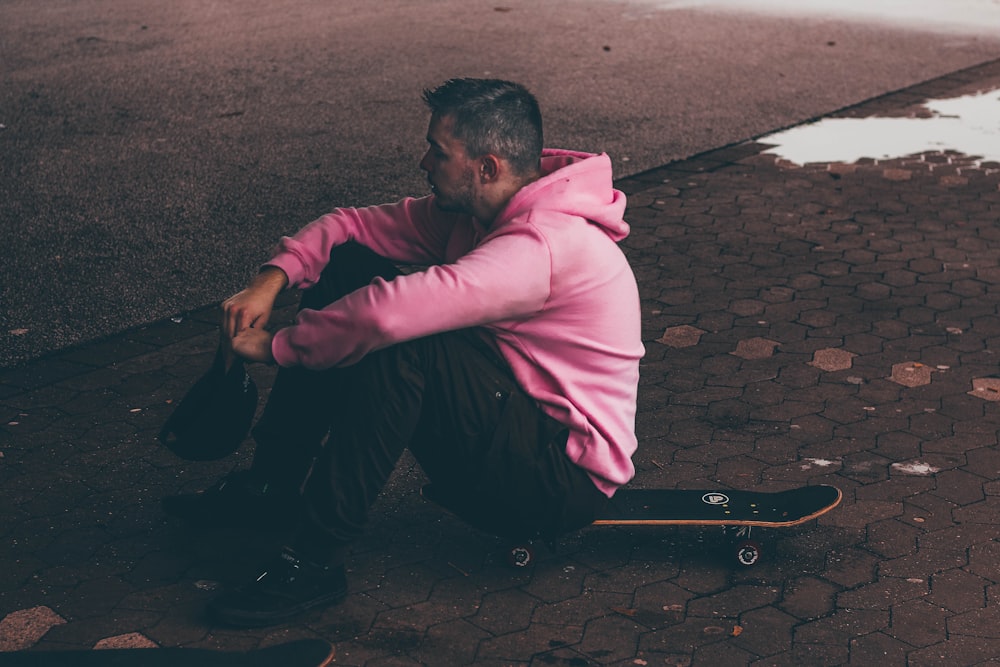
x: 715, y: 499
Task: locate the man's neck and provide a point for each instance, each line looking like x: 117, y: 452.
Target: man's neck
x: 488, y: 210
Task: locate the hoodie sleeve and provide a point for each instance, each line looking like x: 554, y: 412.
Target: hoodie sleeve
x: 412, y: 231
x: 507, y: 277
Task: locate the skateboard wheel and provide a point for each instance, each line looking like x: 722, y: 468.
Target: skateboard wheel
x: 520, y: 556
x: 747, y: 553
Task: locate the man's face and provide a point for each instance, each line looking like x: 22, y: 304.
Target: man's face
x: 450, y: 172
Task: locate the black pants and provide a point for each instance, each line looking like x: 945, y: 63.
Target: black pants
x: 493, y: 457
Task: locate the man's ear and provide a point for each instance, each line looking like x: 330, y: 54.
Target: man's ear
x: 490, y: 168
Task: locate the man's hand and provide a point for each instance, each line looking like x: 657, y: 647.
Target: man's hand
x: 252, y: 307
x: 253, y: 344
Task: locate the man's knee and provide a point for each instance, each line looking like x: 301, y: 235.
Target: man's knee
x: 355, y: 266
x: 351, y: 267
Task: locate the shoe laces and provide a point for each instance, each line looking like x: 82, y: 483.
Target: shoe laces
x: 288, y: 567
x: 243, y: 480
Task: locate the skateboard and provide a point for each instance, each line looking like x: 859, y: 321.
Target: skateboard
x: 736, y: 511
x: 301, y: 653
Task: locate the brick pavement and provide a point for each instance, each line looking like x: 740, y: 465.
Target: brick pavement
x: 822, y: 324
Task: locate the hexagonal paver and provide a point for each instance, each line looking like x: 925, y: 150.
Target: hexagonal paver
x: 832, y: 359
x: 21, y: 629
x: 987, y: 389
x: 682, y: 336
x: 911, y: 374
x: 897, y: 174
x: 755, y: 348
x: 128, y: 640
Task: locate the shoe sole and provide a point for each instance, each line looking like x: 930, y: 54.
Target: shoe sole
x: 238, y: 619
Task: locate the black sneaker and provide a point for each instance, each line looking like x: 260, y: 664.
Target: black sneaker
x: 288, y: 587
x: 240, y: 500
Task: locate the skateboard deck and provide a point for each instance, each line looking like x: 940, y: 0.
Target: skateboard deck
x: 717, y: 507
x: 301, y: 653
x: 739, y: 510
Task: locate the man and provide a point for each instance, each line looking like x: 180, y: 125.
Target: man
x: 508, y: 365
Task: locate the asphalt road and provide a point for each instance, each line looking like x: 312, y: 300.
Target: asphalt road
x: 151, y: 153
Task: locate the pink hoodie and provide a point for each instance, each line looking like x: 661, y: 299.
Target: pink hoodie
x: 547, y: 280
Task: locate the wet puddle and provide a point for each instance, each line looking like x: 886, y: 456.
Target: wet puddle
x: 969, y: 124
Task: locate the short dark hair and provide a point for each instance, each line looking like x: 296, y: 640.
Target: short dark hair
x: 492, y: 116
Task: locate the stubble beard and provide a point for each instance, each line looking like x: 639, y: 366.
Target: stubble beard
x: 462, y: 199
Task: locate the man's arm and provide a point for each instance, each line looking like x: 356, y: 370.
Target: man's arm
x: 251, y: 308
x: 412, y: 231
x: 506, y: 277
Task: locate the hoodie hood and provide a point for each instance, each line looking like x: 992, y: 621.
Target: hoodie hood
x: 576, y: 184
